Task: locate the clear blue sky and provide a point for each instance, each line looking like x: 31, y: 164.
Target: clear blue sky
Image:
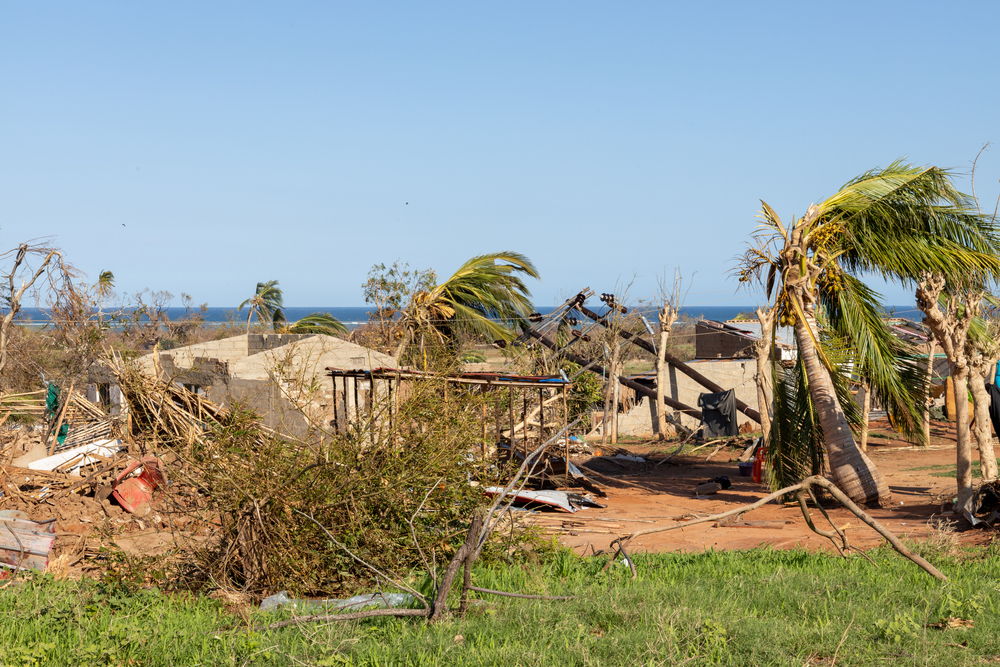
x: 202, y: 146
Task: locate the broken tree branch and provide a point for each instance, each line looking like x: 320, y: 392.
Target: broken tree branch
x: 806, y: 484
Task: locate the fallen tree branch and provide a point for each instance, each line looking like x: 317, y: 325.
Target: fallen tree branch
x: 805, y: 485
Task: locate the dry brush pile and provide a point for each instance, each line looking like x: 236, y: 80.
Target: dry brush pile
x: 304, y: 514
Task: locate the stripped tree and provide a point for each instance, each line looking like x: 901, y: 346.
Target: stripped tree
x: 666, y: 316
x: 763, y: 352
x: 32, y: 265
x: 950, y: 313
x: 983, y: 349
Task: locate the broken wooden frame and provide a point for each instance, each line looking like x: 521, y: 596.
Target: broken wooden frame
x: 535, y: 406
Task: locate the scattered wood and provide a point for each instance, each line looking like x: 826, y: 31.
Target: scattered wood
x: 737, y: 522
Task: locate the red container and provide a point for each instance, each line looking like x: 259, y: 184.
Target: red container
x: 135, y: 493
x: 758, y: 464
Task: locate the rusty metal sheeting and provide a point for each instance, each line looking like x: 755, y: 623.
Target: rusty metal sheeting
x: 25, y: 544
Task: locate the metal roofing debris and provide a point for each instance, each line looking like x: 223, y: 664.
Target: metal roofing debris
x: 25, y: 544
x: 561, y: 500
x: 461, y: 378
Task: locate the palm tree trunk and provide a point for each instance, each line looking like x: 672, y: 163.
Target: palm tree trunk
x: 963, y: 446
x: 983, y: 431
x: 851, y: 469
x: 926, y: 416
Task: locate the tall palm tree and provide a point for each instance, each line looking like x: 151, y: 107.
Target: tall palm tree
x: 267, y: 303
x: 318, y: 323
x: 484, y: 296
x: 898, y: 222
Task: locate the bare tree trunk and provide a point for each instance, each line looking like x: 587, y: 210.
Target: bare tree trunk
x: 963, y: 448
x: 616, y: 394
x: 951, y: 328
x: 983, y: 430
x: 866, y: 408
x: 609, y: 393
x: 926, y: 416
x: 851, y: 469
x: 764, y: 350
x: 666, y: 316
x: 13, y: 293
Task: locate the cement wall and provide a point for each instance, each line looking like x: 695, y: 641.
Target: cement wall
x: 735, y: 374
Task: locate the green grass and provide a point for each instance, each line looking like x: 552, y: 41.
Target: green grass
x: 949, y: 469
x: 760, y: 607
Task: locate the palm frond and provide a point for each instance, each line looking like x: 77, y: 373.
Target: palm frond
x: 487, y: 291
x: 903, y: 221
x: 888, y: 364
x: 318, y: 323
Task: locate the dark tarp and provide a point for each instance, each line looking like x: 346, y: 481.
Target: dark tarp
x: 994, y: 406
x: 718, y: 412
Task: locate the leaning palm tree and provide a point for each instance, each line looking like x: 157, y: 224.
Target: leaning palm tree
x: 267, y: 303
x: 318, y: 323
x: 898, y: 222
x: 485, y: 296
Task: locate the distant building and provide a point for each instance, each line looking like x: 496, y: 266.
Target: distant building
x: 735, y: 339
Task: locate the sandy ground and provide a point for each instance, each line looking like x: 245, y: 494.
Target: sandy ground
x: 644, y: 496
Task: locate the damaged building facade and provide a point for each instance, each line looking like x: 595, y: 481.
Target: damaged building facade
x: 282, y: 377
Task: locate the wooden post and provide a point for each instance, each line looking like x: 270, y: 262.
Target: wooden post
x: 496, y: 419
x: 482, y: 391
x: 524, y: 416
x: 336, y: 421
x: 371, y: 408
x: 615, y: 403
x: 510, y: 406
x: 357, y: 405
x: 541, y: 415
x: 866, y: 408
x: 565, y: 421
x: 391, y: 396
x: 54, y: 436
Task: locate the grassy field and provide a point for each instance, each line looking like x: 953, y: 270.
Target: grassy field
x: 758, y: 607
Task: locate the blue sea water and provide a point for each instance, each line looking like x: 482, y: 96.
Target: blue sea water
x: 354, y: 316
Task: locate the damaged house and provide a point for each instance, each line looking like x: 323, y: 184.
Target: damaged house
x: 282, y: 377
x: 724, y: 354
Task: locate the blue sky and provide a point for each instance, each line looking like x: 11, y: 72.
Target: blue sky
x: 200, y: 147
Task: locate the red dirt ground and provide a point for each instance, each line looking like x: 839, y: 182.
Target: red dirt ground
x: 643, y: 496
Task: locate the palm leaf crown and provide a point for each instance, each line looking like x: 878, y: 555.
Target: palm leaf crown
x: 483, y: 294
x: 903, y: 221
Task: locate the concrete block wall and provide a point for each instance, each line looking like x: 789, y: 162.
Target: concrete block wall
x: 262, y: 342
x: 735, y: 374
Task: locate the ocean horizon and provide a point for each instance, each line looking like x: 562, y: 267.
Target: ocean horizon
x: 354, y: 316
